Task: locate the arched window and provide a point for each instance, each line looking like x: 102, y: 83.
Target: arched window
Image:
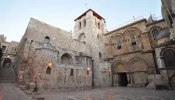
x: 79, y: 25
x: 72, y: 72
x: 98, y: 25
x: 118, y: 44
x: 47, y: 40
x: 66, y: 59
x: 169, y: 58
x: 87, y: 72
x: 155, y: 32
x: 82, y: 38
x: 84, y: 22
x: 133, y: 40
x: 99, y: 54
x: 48, y: 71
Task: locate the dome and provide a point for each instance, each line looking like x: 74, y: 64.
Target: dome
x: 163, y: 35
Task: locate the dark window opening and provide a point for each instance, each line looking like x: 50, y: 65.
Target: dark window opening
x: 99, y: 54
x: 47, y: 40
x: 133, y: 40
x: 119, y: 47
x: 98, y: 25
x: 79, y: 25
x: 84, y: 22
x: 87, y: 72
x: 119, y: 44
x: 48, y: 71
x: 133, y: 43
x: 3, y: 48
x: 72, y: 72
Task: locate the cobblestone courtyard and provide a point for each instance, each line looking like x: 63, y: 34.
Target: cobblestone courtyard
x: 116, y: 93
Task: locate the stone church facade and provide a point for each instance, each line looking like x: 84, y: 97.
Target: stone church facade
x: 51, y: 58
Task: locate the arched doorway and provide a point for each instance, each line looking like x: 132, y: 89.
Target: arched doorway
x: 120, y: 74
x: 66, y: 59
x: 172, y: 82
x: 7, y: 62
x: 7, y: 72
x: 169, y: 58
x: 138, y: 70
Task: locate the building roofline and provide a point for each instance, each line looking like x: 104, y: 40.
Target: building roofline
x: 133, y: 23
x: 161, y: 20
x: 94, y: 13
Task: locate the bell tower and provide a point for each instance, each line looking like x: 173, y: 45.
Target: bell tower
x: 89, y: 26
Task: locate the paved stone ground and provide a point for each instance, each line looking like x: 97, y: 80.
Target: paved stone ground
x: 117, y: 93
x: 9, y: 91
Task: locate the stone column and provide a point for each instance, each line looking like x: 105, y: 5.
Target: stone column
x: 172, y: 31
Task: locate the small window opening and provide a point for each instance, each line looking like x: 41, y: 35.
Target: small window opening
x: 48, y: 71
x: 99, y: 54
x: 47, y: 40
x: 79, y: 25
x: 133, y: 40
x: 87, y: 72
x: 72, y: 72
x: 98, y: 25
x: 84, y: 22
x: 119, y: 44
x: 3, y: 48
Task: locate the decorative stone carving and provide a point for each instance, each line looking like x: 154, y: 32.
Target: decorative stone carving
x: 172, y: 35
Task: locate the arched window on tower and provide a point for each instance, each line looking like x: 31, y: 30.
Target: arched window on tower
x: 84, y: 22
x: 79, y: 25
x: 133, y: 40
x: 118, y: 44
x: 47, y: 40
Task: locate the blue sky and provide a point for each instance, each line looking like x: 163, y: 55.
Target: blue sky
x: 15, y: 14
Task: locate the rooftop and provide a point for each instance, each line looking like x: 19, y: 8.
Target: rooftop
x: 94, y: 13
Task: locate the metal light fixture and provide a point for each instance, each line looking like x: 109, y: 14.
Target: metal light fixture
x: 88, y: 69
x: 50, y: 64
x: 110, y: 70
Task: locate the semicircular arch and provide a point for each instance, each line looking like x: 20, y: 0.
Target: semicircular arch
x: 138, y: 65
x: 120, y: 67
x: 66, y: 59
x: 131, y: 31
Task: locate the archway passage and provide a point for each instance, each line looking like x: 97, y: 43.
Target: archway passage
x: 7, y: 72
x: 120, y: 72
x: 123, y: 81
x: 169, y: 58
x: 7, y: 62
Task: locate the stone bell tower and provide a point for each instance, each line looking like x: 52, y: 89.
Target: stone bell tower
x: 90, y: 28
